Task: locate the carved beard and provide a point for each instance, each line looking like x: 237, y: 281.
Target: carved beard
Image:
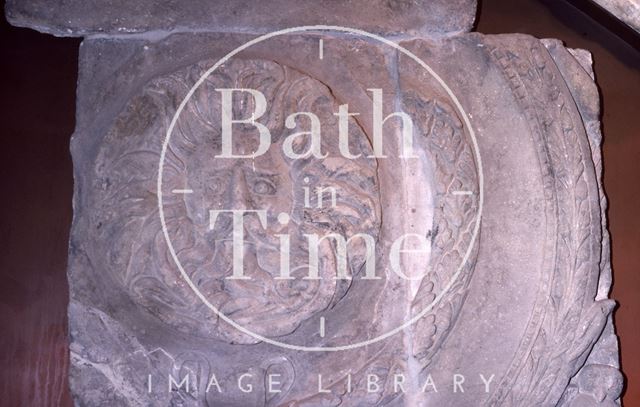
x: 264, y: 302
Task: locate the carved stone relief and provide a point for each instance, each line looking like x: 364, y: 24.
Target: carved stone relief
x: 500, y: 175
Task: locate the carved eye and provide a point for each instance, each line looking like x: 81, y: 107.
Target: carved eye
x: 264, y: 187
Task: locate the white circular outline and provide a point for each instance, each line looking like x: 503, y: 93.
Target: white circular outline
x: 345, y: 30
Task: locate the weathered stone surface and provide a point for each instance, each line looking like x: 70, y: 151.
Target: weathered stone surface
x: 115, y: 17
x: 627, y: 11
x: 529, y: 307
x: 505, y: 141
x: 123, y: 163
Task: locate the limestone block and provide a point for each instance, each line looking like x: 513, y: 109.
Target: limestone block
x: 116, y: 17
x: 627, y: 11
x: 526, y: 310
x: 451, y: 181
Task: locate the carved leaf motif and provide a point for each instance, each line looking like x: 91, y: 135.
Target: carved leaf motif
x: 451, y: 153
x: 127, y: 208
x: 572, y: 320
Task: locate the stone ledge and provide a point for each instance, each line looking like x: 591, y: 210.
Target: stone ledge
x: 116, y: 17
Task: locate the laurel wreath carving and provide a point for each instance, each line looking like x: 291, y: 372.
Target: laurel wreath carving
x: 452, y: 158
x: 567, y: 320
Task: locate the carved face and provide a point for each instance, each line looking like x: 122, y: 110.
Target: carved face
x: 125, y: 210
x: 272, y: 182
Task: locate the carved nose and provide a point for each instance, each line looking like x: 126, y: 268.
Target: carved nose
x: 240, y: 196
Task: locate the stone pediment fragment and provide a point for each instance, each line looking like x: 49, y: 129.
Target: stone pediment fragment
x: 462, y: 171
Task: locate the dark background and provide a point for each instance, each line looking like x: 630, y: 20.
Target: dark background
x: 37, y: 106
